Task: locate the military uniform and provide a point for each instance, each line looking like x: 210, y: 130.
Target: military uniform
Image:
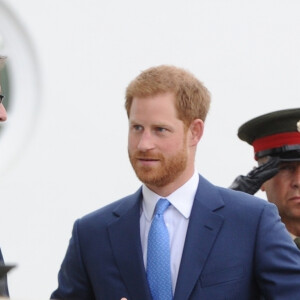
x: 275, y: 138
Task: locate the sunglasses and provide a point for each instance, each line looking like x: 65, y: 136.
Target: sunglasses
x: 1, y: 98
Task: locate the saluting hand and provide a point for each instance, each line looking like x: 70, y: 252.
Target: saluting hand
x: 252, y: 182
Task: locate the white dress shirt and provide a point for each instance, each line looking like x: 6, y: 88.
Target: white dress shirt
x: 176, y: 218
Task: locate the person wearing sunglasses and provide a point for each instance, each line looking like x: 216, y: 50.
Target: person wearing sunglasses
x: 3, y: 114
x: 3, y: 117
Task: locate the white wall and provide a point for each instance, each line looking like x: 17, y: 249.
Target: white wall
x: 74, y: 159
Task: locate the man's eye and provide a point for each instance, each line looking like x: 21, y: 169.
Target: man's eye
x: 283, y: 167
x: 137, y: 127
x: 161, y: 129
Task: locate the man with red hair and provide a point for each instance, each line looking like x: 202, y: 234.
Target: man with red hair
x: 178, y: 236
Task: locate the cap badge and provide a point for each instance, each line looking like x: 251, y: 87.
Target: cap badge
x: 298, y: 126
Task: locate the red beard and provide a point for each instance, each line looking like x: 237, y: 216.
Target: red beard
x: 164, y: 172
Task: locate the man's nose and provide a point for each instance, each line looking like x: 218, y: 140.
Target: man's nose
x: 3, y: 115
x: 146, y: 141
x: 296, y: 177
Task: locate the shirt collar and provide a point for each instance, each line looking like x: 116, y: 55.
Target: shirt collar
x: 182, y: 199
x: 292, y: 235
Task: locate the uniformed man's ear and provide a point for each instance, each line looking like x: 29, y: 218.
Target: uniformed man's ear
x: 196, y: 129
x: 262, y: 188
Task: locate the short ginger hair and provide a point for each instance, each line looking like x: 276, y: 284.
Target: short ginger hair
x: 192, y: 98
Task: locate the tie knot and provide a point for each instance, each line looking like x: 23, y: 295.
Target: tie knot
x: 161, y: 206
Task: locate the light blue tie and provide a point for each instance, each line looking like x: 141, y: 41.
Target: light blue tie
x: 158, y: 255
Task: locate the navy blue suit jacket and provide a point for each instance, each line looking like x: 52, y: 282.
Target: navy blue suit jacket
x: 236, y: 248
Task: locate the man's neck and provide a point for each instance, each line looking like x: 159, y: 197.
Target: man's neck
x: 293, y: 228
x: 170, y: 188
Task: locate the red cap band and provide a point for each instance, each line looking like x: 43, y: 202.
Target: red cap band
x: 276, y: 141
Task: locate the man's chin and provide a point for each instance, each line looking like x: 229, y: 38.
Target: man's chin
x: 147, y: 179
x: 151, y: 179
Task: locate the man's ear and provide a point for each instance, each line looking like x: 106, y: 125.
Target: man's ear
x: 262, y: 188
x: 196, y: 129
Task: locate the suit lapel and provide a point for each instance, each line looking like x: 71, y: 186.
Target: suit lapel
x: 204, y: 226
x: 127, y: 248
